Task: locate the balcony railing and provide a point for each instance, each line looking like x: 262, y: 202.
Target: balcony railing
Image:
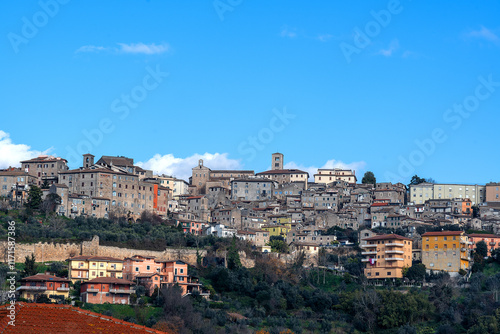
x: 394, y: 251
x: 30, y: 287
x: 394, y: 259
x: 62, y: 289
x: 367, y: 260
x: 492, y: 243
x: 92, y: 290
x: 369, y: 253
x: 368, y: 246
x: 121, y: 291
x: 395, y: 244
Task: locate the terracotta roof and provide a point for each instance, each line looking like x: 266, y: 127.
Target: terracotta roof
x: 480, y: 235
x: 117, y: 161
x: 442, y: 233
x: 43, y: 277
x: 54, y: 318
x: 387, y: 237
x: 94, y: 258
x: 44, y: 158
x: 108, y: 280
x: 283, y: 171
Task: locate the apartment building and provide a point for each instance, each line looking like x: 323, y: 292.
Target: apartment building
x: 107, y: 290
x: 84, y: 268
x: 14, y: 176
x: 424, y: 191
x: 45, y: 168
x: 325, y: 176
x: 251, y: 189
x: 446, y: 251
x: 138, y: 265
x: 49, y: 285
x: 203, y: 177
x: 386, y: 256
x: 395, y: 193
x: 109, y: 187
x: 492, y: 192
x: 492, y: 241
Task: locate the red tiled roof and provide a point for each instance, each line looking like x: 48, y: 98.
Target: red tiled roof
x: 53, y: 318
x: 108, y: 280
x: 387, y: 237
x: 94, y: 258
x: 283, y: 171
x: 442, y: 233
x: 481, y: 235
x: 43, y: 277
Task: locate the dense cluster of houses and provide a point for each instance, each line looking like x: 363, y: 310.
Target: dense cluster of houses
x: 257, y: 206
x: 111, y: 280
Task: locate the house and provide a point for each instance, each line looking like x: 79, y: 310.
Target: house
x: 84, y: 268
x: 386, y: 255
x: 492, y: 241
x: 49, y: 285
x: 281, y: 175
x: 325, y: 176
x: 45, y: 168
x: 446, y: 251
x: 12, y: 177
x: 140, y: 265
x: 107, y: 290
x: 251, y: 189
x: 310, y: 250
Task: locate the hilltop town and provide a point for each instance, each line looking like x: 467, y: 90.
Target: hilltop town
x: 328, y: 231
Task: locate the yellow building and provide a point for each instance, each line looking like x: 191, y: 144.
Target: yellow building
x: 84, y: 268
x: 446, y: 251
x: 39, y: 284
x: 276, y: 230
x: 386, y: 256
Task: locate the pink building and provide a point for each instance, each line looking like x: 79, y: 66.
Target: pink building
x: 107, y: 290
x: 140, y: 265
x: 492, y: 241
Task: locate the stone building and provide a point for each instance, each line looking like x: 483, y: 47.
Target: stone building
x: 45, y: 168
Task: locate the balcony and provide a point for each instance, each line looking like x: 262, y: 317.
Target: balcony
x: 463, y: 249
x: 492, y: 243
x: 368, y: 260
x: 395, y: 244
x: 369, y: 253
x: 62, y: 289
x: 394, y: 251
x: 30, y: 287
x: 121, y: 291
x: 394, y: 259
x: 92, y: 290
x: 368, y: 246
x: 465, y: 257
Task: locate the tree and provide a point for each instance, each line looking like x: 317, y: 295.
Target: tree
x: 278, y: 244
x: 50, y: 203
x: 416, y: 180
x: 34, y: 198
x: 416, y: 272
x: 233, y: 257
x: 30, y: 267
x: 482, y: 248
x: 369, y: 178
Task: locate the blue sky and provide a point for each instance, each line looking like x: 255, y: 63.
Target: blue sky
x: 341, y: 84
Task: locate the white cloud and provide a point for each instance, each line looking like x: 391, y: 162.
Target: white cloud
x: 11, y: 154
x: 483, y: 33
x: 357, y: 166
x: 288, y: 32
x: 181, y: 167
x: 148, y: 49
x: 389, y: 51
x: 132, y: 48
x: 90, y: 48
